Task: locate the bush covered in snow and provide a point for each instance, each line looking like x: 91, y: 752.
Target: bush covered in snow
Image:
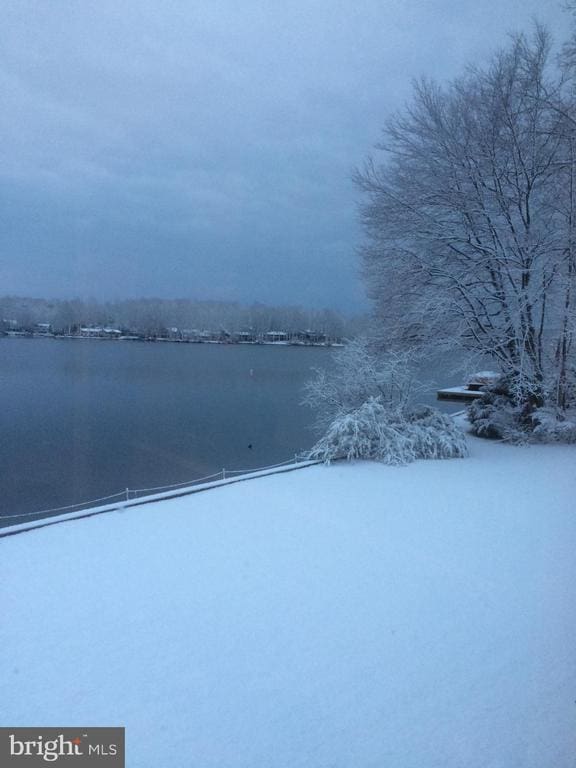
x: 497, y: 415
x: 392, y: 436
x: 360, y: 372
x: 362, y: 407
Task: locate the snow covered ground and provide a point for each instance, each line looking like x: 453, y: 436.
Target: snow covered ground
x: 353, y: 616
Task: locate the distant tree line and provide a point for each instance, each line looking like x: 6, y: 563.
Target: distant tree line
x: 152, y: 316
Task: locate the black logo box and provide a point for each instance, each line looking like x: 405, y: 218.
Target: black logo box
x: 78, y: 747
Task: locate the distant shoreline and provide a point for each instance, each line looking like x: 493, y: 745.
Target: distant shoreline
x: 163, y: 340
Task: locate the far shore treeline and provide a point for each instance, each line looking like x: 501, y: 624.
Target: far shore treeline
x: 179, y: 319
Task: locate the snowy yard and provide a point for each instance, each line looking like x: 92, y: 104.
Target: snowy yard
x: 353, y: 616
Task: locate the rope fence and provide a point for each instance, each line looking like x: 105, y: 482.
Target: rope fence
x: 132, y: 494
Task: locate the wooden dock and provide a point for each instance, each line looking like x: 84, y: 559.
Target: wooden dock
x: 458, y: 394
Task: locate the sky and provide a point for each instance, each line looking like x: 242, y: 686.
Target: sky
x: 204, y: 149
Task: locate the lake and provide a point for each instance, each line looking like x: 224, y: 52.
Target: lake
x: 82, y: 419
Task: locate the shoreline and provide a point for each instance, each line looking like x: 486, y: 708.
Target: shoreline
x: 162, y: 340
x: 170, y: 492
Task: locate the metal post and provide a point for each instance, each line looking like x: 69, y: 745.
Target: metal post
x: 127, y: 494
x: 223, y: 474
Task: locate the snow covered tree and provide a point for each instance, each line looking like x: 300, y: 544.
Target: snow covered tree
x: 471, y: 221
x: 363, y: 407
x: 360, y: 372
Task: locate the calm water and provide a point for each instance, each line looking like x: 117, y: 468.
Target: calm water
x: 81, y: 419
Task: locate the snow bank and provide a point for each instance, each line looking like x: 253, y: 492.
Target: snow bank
x: 352, y: 616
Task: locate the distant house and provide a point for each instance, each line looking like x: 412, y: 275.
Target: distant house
x: 275, y: 337
x: 310, y: 337
x: 112, y: 333
x: 97, y: 332
x: 245, y: 337
x: 90, y: 332
x: 42, y: 329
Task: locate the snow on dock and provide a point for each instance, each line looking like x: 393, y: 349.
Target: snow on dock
x: 473, y: 389
x: 458, y: 393
x: 345, y: 616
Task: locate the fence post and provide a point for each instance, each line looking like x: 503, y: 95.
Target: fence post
x: 223, y: 474
x: 127, y: 494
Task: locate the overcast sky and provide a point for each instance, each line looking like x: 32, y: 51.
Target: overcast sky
x: 203, y: 148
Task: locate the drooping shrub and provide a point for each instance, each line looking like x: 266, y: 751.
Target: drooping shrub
x: 391, y: 436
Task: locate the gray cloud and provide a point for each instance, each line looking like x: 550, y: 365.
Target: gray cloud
x: 204, y: 149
